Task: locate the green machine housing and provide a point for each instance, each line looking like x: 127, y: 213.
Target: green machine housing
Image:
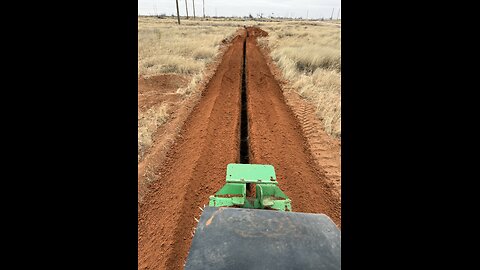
x: 240, y: 180
x: 239, y: 230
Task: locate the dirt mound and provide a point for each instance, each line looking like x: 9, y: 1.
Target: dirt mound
x: 256, y: 32
x: 276, y: 138
x: 326, y: 150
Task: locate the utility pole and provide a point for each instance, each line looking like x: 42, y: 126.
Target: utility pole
x: 203, y: 9
x: 178, y: 12
x: 331, y: 17
x: 186, y: 7
x: 194, y: 9
x: 338, y: 14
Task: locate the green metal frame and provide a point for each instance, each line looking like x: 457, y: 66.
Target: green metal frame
x: 267, y: 193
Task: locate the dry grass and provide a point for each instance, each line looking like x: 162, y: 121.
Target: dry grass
x: 309, y: 56
x: 165, y: 47
x: 148, y: 123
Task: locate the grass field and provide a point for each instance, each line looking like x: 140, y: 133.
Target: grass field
x: 309, y: 55
x: 165, y: 47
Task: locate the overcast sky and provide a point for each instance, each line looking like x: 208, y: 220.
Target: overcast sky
x: 282, y: 8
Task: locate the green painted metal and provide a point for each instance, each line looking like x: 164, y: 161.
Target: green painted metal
x: 267, y: 193
x: 251, y: 173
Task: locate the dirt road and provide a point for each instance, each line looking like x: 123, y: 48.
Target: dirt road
x: 196, y: 163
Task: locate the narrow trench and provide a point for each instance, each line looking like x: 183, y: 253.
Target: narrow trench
x: 244, y: 147
x: 244, y: 151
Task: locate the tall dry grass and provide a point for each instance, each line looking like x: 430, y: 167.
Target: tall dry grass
x: 309, y: 56
x: 165, y: 47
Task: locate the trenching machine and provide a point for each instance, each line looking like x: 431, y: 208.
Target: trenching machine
x: 249, y: 224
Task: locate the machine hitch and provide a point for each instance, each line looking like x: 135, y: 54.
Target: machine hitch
x: 240, y: 178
